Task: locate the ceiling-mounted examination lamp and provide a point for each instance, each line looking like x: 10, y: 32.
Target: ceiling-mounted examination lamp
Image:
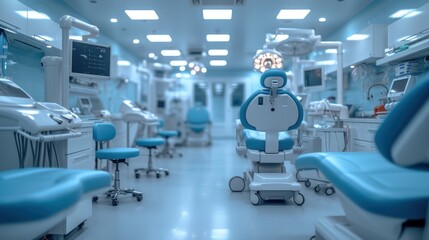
x: 196, y: 68
x: 267, y: 59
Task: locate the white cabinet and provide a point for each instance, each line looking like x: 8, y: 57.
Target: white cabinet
x: 362, y: 134
x: 10, y: 18
x: 367, y: 50
x: 77, y: 153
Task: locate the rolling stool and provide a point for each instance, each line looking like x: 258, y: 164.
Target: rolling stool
x: 104, y: 132
x: 167, y: 150
x: 150, y: 143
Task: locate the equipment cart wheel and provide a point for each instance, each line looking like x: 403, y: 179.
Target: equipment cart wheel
x: 137, y: 175
x: 317, y: 188
x: 237, y: 184
x: 158, y: 175
x: 329, y: 191
x: 298, y: 199
x: 255, y: 198
x: 167, y: 173
x: 139, y: 198
x: 115, y: 202
x: 95, y: 199
x: 307, y: 183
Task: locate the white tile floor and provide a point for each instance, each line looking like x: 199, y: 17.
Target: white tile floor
x: 194, y: 202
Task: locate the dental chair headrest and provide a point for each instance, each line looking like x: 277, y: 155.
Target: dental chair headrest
x: 273, y: 74
x: 403, y: 136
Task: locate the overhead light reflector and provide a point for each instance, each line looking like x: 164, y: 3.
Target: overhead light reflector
x: 217, y: 14
x: 159, y: 38
x: 170, y: 53
x: 322, y: 19
x: 123, y: 63
x: 293, y: 13
x: 218, y: 52
x: 218, y: 63
x: 142, y: 14
x: 281, y: 37
x: 178, y: 63
x: 136, y: 41
x: 357, y: 37
x: 113, y: 20
x: 217, y: 37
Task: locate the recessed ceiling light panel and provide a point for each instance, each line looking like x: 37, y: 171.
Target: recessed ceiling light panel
x: 218, y: 63
x: 357, y: 37
x: 142, y: 14
x: 178, y: 63
x: 170, y: 53
x: 218, y: 52
x: 293, y: 13
x: 217, y: 14
x: 159, y: 38
x: 217, y: 37
x: 32, y: 15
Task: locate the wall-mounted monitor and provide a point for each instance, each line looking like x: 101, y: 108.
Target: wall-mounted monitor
x: 314, y: 78
x: 89, y: 60
x: 400, y: 86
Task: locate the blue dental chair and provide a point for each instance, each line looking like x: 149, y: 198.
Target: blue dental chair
x: 198, y: 125
x: 103, y: 133
x: 385, y: 194
x: 266, y: 116
x: 33, y: 200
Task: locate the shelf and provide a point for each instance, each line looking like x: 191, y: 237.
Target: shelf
x: 83, y: 89
x: 418, y: 50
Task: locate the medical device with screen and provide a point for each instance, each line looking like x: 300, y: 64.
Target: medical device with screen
x: 90, y: 60
x: 85, y: 105
x: 314, y: 78
x: 400, y: 86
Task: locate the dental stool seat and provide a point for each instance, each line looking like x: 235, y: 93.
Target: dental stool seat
x: 150, y: 143
x: 33, y: 200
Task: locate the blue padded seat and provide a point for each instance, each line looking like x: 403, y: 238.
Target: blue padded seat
x: 373, y: 183
x: 198, y: 118
x: 149, y: 142
x: 33, y: 194
x: 168, y: 133
x: 117, y: 153
x: 255, y: 140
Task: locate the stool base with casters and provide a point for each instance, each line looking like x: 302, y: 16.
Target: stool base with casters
x: 117, y: 190
x: 150, y: 143
x: 168, y: 151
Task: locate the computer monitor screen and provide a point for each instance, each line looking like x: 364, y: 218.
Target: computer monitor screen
x: 90, y: 60
x: 400, y: 86
x: 314, y: 78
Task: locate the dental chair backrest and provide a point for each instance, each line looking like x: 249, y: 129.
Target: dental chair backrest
x: 271, y: 109
x: 403, y: 138
x: 198, y: 118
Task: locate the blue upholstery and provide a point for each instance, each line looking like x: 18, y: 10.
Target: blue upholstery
x: 399, y: 119
x: 198, y: 117
x: 256, y: 140
x: 168, y: 133
x: 104, y: 132
x: 371, y: 180
x: 117, y: 153
x: 373, y: 183
x: 33, y: 194
x: 149, y: 142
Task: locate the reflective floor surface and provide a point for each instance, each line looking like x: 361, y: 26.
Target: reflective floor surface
x: 194, y: 202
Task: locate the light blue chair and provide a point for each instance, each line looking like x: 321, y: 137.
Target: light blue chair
x: 34, y: 200
x: 168, y: 150
x: 385, y: 194
x: 266, y: 116
x: 198, y: 125
x: 150, y: 144
x: 103, y: 133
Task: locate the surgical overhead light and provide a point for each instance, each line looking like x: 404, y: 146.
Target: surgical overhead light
x: 267, y: 59
x: 196, y: 68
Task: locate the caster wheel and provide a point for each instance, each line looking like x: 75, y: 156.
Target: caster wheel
x: 171, y: 156
x: 167, y: 173
x: 147, y: 172
x: 255, y: 198
x: 237, y: 184
x: 134, y: 195
x: 298, y: 199
x: 115, y: 202
x: 180, y: 155
x: 158, y: 175
x: 108, y: 195
x: 317, y: 188
x: 137, y: 175
x: 139, y: 198
x: 307, y: 183
x: 299, y: 178
x: 329, y: 191
x: 81, y: 225
x: 95, y: 199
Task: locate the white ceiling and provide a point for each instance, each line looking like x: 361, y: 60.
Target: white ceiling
x: 184, y: 22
